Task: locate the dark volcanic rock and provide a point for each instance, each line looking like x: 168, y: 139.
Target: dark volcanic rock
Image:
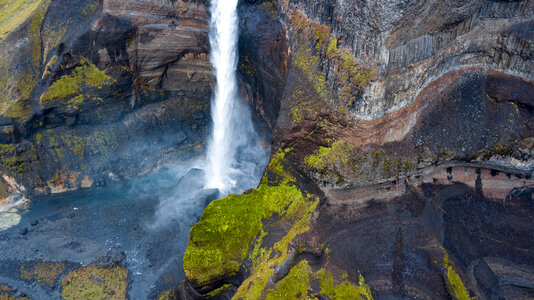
x: 137, y: 83
x: 411, y: 124
x: 23, y: 231
x: 411, y: 225
x: 263, y: 59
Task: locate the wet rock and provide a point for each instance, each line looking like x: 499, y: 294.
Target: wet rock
x: 156, y: 86
x: 34, y: 223
x: 208, y: 195
x: 113, y: 257
x: 23, y: 231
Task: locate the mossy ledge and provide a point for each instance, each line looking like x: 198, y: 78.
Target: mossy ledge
x: 342, y: 163
x: 229, y: 241
x: 230, y: 227
x: 95, y: 282
x: 69, y: 89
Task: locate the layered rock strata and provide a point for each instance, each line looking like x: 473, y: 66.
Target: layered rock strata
x: 405, y: 139
x: 98, y: 91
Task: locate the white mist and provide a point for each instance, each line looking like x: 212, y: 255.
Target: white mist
x: 235, y: 156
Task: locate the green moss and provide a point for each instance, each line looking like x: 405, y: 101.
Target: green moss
x: 315, y: 46
x: 343, y: 290
x: 14, y: 163
x: 7, y: 293
x: 332, y: 47
x: 340, y: 151
x: 247, y: 67
x: 85, y: 76
x: 231, y: 229
x: 220, y: 290
x: 35, y: 32
x: 19, y: 109
x: 90, y: 9
x: 295, y: 285
x: 15, y: 12
x: 17, y: 87
x: 56, y: 179
x: 49, y: 66
x: 342, y: 163
x: 454, y: 281
x: 269, y: 8
x: 446, y: 155
x: 171, y: 294
x: 4, y: 190
x: 45, y: 273
x: 38, y: 138
x: 95, y: 282
x: 221, y: 240
x: 18, y: 94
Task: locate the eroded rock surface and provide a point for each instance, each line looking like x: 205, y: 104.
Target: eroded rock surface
x: 98, y: 91
x: 406, y: 129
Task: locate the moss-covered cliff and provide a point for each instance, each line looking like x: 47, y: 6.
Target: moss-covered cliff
x: 89, y: 94
x: 403, y: 146
x: 406, y: 128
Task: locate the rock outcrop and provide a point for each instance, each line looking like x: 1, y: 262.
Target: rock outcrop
x: 94, y: 91
x: 405, y: 139
x: 403, y: 145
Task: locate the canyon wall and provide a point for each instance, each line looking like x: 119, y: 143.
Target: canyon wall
x: 402, y: 161
x: 96, y: 91
x: 402, y: 138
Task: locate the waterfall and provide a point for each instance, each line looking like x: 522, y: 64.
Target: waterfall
x: 235, y: 154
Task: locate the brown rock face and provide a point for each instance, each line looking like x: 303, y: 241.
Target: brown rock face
x: 170, y: 47
x: 109, y: 84
x: 411, y: 43
x: 397, y: 233
x: 411, y: 121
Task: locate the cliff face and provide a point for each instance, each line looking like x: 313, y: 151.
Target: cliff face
x: 411, y: 43
x: 98, y: 91
x: 405, y: 142
x: 402, y: 149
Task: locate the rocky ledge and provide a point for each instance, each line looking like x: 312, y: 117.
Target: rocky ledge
x: 96, y: 91
x: 402, y: 163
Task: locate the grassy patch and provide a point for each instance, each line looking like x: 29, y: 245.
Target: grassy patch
x: 340, y: 151
x: 344, y: 289
x: 85, y: 76
x: 230, y: 227
x: 342, y: 162
x: 295, y: 285
x: 17, y: 88
x: 95, y: 282
x: 42, y: 272
x: 222, y: 238
x: 14, y: 162
x: 15, y: 12
x: 6, y: 293
x: 4, y: 190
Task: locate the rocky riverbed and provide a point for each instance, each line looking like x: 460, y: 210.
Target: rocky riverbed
x: 141, y: 226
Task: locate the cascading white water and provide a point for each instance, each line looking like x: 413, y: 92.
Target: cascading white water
x: 235, y: 156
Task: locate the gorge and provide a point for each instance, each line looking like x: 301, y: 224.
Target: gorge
x: 252, y: 149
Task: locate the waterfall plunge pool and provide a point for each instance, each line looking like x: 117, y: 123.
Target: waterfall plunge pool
x: 148, y: 219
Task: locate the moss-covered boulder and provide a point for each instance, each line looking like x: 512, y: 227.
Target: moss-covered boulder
x: 249, y: 244
x: 95, y: 282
